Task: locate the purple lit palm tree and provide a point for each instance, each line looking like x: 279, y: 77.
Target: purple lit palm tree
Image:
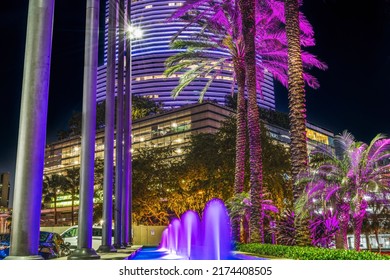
x: 256, y: 218
x: 221, y: 30
x: 296, y: 96
x: 350, y: 179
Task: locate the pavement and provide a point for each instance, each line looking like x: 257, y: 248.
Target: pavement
x: 121, y: 254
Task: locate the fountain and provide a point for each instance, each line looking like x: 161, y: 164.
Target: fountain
x: 208, y: 239
x: 193, y: 238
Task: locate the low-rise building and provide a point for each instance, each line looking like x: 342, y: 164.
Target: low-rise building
x: 171, y: 128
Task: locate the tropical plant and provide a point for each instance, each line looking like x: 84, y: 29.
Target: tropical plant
x: 323, y: 228
x: 296, y: 93
x: 285, y: 230
x: 350, y: 179
x: 307, y: 253
x: 240, y: 205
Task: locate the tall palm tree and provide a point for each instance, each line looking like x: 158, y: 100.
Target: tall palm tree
x: 52, y: 186
x: 359, y: 173
x: 248, y: 17
x: 296, y: 93
x: 222, y: 30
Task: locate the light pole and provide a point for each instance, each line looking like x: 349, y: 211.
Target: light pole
x: 132, y: 33
x: 109, y: 133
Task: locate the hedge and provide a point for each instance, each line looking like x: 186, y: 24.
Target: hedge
x: 308, y: 253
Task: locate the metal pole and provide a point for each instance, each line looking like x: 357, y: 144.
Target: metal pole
x: 119, y: 135
x: 32, y: 132
x: 109, y: 133
x: 126, y: 135
x: 84, y: 249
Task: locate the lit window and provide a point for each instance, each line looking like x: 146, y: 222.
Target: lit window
x: 148, y: 6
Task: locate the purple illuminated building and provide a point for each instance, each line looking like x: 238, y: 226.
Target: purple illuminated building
x: 150, y: 52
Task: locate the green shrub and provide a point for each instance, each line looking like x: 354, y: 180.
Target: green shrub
x: 308, y: 253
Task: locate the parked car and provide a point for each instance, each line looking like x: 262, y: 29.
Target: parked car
x: 70, y: 235
x: 4, y: 245
x: 51, y: 245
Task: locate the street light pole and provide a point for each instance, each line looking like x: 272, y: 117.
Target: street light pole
x: 118, y: 241
x: 127, y: 166
x: 109, y: 132
x: 32, y: 132
x: 84, y: 249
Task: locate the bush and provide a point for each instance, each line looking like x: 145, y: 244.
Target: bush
x: 308, y: 253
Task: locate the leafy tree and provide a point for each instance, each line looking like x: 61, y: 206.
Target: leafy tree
x: 72, y: 188
x: 141, y: 107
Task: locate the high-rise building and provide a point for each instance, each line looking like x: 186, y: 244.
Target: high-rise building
x: 150, y: 52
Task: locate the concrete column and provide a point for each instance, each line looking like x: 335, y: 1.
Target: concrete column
x: 109, y: 132
x: 84, y: 249
x: 32, y: 132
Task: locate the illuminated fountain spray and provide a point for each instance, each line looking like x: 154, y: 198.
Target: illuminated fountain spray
x: 164, y: 239
x: 208, y: 239
x: 216, y: 230
x: 173, y: 236
x: 190, y: 234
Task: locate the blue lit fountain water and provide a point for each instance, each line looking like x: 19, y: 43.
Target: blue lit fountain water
x: 193, y: 238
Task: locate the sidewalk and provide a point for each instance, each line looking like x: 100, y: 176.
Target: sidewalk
x: 121, y: 254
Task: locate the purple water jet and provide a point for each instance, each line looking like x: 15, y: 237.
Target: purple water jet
x: 173, y: 235
x: 209, y: 239
x: 216, y: 231
x: 189, y: 234
x: 164, y: 240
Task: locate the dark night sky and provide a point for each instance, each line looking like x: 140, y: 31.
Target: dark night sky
x: 353, y: 38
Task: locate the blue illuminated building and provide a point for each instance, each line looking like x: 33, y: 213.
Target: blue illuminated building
x: 150, y: 52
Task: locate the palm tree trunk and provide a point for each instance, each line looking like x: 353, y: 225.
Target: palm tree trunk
x: 344, y: 221
x: 55, y: 207
x: 296, y: 94
x: 239, y: 176
x: 358, y: 221
x: 247, y: 9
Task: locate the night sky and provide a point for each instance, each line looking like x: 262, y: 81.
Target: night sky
x: 353, y: 38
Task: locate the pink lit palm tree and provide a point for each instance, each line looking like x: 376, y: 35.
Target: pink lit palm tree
x: 350, y: 179
x: 222, y: 30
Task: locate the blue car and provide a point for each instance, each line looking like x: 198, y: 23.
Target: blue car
x: 51, y: 245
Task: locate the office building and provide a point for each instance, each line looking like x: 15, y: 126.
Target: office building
x: 150, y: 52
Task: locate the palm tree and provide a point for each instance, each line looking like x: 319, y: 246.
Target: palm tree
x: 73, y: 178
x: 256, y: 223
x: 296, y: 93
x: 221, y: 30
x: 52, y: 186
x: 359, y: 173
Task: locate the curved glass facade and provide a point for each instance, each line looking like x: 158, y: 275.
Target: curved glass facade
x: 150, y: 52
